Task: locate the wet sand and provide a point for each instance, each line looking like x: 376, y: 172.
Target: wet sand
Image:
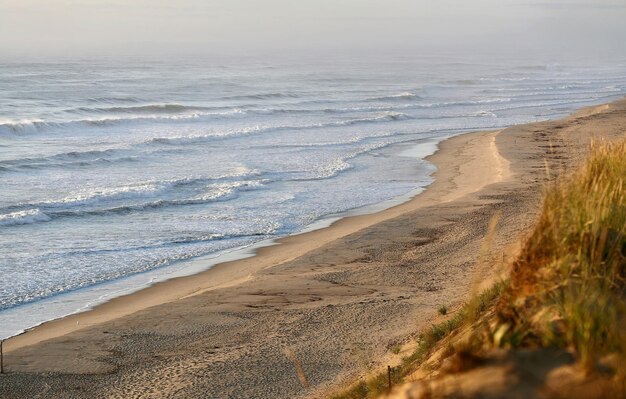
x: 319, y: 308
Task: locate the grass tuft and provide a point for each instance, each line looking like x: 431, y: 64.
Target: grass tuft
x: 575, y: 264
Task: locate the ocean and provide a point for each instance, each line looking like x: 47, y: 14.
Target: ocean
x: 116, y: 174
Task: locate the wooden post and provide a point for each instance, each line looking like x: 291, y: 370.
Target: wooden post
x: 1, y: 357
x: 389, y: 377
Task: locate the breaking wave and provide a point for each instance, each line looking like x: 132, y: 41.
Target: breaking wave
x: 145, y: 109
x: 127, y: 199
x: 179, y: 140
x: 38, y: 125
x: 23, y: 217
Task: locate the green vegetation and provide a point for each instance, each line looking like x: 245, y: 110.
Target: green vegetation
x: 443, y: 310
x: 396, y: 349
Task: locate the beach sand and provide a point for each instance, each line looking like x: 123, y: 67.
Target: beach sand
x: 319, y: 309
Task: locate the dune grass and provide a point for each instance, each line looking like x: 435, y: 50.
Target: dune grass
x: 567, y: 289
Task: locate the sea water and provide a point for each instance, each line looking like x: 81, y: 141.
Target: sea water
x: 118, y: 173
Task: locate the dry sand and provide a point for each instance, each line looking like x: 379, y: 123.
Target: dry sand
x: 319, y: 308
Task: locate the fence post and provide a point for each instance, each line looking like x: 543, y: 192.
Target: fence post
x: 1, y: 357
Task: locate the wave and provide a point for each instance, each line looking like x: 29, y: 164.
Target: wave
x: 142, y: 190
x: 24, y: 125
x: 166, y: 193
x: 121, y: 155
x: 110, y: 156
x: 147, y: 190
x: 395, y: 97
x: 461, y: 103
x: 38, y: 125
x: 172, y: 113
x: 260, y: 96
x: 378, y: 108
x: 141, y: 196
x: 540, y: 67
x: 23, y: 217
x: 384, y: 113
x: 565, y: 90
x: 391, y: 106
x: 483, y: 113
x: 183, y: 140
x: 553, y: 103
x: 330, y: 169
x: 145, y: 109
x: 97, y: 162
x: 339, y: 165
x: 68, y: 159
x: 157, y: 113
x: 348, y: 142
x: 336, y: 166
x: 213, y: 193
x: 385, y: 116
x: 339, y: 110
x: 113, y: 100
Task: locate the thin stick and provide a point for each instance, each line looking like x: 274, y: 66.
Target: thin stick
x: 291, y: 355
x: 389, y: 377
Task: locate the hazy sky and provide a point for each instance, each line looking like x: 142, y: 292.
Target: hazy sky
x: 242, y: 27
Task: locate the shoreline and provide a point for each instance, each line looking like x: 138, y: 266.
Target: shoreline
x: 332, y: 303
x: 203, y: 264
x: 213, y: 276
x: 184, y: 285
x: 89, y: 298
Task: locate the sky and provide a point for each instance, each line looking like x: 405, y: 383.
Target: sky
x: 593, y: 28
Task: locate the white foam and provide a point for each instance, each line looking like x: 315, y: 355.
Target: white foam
x: 23, y: 217
x: 401, y: 96
x: 224, y: 191
x: 37, y: 125
x: 108, y: 194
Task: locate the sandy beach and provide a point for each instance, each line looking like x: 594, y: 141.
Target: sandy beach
x: 319, y: 309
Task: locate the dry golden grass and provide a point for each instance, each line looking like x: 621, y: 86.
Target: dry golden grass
x: 568, y: 287
x: 575, y: 260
